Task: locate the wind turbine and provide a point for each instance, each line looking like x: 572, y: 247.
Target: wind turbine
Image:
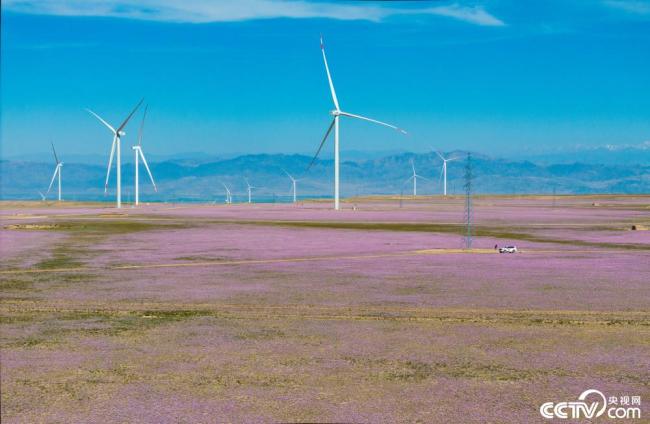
x: 250, y: 187
x: 415, y: 177
x: 293, y: 184
x: 337, y: 113
x: 228, y: 195
x: 443, y: 171
x: 57, y: 171
x: 137, y: 150
x: 117, y: 135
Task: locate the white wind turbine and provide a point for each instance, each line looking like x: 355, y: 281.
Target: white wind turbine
x: 337, y: 112
x: 443, y: 171
x: 57, y: 171
x: 293, y: 184
x: 137, y: 150
x: 117, y: 135
x: 228, y: 195
x: 250, y: 190
x: 415, y: 177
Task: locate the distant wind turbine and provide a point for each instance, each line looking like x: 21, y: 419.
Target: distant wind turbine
x: 293, y: 184
x: 137, y: 150
x: 443, y: 171
x: 337, y: 112
x: 415, y: 177
x: 250, y: 190
x: 117, y: 135
x: 228, y: 195
x: 57, y: 171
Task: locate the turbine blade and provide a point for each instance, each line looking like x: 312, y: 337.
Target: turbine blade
x: 130, y: 115
x: 351, y: 115
x: 227, y: 192
x: 101, y: 120
x: 288, y: 175
x: 441, y: 171
x: 142, y: 125
x: 329, y: 76
x: 441, y: 157
x: 110, y: 163
x: 329, y: 130
x: 413, y: 167
x: 54, y: 151
x: 42, y: 195
x: 148, y: 171
x: 52, y: 180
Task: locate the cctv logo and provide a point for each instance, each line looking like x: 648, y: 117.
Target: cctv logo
x: 588, y: 409
x: 574, y: 410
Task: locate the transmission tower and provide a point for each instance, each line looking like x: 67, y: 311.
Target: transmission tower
x: 467, y: 238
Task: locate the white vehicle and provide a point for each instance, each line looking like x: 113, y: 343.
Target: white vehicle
x: 508, y: 249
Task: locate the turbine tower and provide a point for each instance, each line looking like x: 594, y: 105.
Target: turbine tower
x: 137, y: 150
x: 228, y: 195
x: 250, y: 191
x: 414, y: 177
x: 443, y: 171
x: 293, y: 184
x: 337, y: 113
x: 117, y: 135
x: 57, y: 171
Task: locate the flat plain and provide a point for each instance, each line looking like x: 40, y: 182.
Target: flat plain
x: 294, y: 313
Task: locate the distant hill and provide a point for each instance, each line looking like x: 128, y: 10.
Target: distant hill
x: 194, y: 177
x: 603, y: 155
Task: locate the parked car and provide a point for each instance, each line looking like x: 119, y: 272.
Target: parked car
x: 508, y: 249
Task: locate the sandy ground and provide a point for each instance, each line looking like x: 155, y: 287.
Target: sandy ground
x: 267, y: 313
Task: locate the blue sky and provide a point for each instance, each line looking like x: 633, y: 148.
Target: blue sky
x: 501, y: 76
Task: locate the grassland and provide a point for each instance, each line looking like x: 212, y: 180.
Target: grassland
x: 268, y: 313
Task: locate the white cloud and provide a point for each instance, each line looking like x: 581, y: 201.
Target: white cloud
x: 631, y: 6
x: 476, y: 15
x: 203, y: 11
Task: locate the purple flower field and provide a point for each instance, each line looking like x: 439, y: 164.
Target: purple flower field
x: 294, y: 313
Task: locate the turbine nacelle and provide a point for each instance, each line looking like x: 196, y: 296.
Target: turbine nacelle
x: 335, y: 112
x: 121, y: 133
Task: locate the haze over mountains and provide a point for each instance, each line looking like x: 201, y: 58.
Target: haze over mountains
x: 198, y: 177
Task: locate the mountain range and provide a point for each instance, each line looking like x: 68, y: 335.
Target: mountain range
x: 198, y: 177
